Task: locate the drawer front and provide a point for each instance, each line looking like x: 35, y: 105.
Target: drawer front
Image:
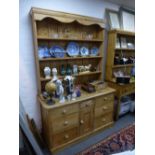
x: 63, y: 111
x: 64, y: 137
x: 61, y: 124
x: 86, y: 104
x: 103, y: 120
x: 104, y: 109
x: 127, y: 89
x: 100, y: 101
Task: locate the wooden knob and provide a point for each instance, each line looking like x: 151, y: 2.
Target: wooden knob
x: 103, y: 120
x: 105, y: 108
x: 87, y: 105
x: 105, y: 98
x: 64, y: 111
x: 66, y: 136
x: 82, y: 122
x: 66, y: 123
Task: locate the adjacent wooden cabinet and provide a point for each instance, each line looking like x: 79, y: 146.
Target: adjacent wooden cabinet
x: 119, y: 48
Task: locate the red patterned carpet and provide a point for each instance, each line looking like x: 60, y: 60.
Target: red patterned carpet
x: 122, y: 141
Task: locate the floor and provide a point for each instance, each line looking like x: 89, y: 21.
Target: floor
x: 121, y: 123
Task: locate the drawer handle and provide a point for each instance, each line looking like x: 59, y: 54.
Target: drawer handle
x: 105, y: 98
x: 103, y: 120
x: 105, y: 108
x: 66, y: 137
x: 66, y: 123
x: 82, y: 122
x: 87, y: 104
x: 64, y: 111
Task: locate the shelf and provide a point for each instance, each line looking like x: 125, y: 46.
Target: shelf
x: 125, y: 49
x: 81, y: 74
x: 70, y: 58
x: 114, y: 81
x: 126, y: 65
x: 70, y: 39
x: 123, y: 32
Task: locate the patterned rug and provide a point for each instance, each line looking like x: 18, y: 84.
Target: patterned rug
x: 119, y: 142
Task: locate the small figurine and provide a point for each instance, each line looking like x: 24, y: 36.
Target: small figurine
x: 60, y: 91
x: 50, y: 88
x: 74, y: 95
x: 81, y: 68
x: 47, y: 72
x: 87, y: 68
x: 78, y: 92
x: 75, y: 69
x: 54, y: 73
x: 69, y: 86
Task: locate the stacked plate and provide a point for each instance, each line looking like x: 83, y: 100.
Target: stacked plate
x: 57, y: 51
x: 43, y: 52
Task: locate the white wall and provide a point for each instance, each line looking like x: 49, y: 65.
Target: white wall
x: 27, y: 72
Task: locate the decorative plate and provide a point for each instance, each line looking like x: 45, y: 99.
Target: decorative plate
x: 94, y: 51
x: 41, y: 52
x: 57, y: 51
x: 73, y: 49
x: 46, y: 52
x: 84, y: 51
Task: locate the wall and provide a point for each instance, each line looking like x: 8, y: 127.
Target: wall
x: 27, y: 72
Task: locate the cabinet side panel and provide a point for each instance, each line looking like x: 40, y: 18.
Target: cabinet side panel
x: 34, y: 28
x: 110, y: 55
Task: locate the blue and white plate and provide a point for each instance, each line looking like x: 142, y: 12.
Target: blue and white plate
x: 57, y: 51
x: 84, y: 51
x: 73, y: 49
x: 46, y: 52
x: 40, y: 52
x: 43, y: 52
x: 94, y: 51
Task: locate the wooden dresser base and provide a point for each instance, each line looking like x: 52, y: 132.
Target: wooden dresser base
x: 71, y: 122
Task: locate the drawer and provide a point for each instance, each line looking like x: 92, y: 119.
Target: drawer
x: 86, y: 104
x: 100, y: 101
x: 66, y: 122
x: 64, y: 137
x: 63, y: 111
x: 103, y: 120
x: 105, y: 108
x: 128, y: 89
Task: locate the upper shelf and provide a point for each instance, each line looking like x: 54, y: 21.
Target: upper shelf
x: 124, y: 49
x: 70, y: 58
x: 70, y: 39
x: 122, y: 32
x: 40, y: 14
x: 125, y: 65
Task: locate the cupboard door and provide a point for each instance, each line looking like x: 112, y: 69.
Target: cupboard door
x: 86, y: 121
x: 86, y: 116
